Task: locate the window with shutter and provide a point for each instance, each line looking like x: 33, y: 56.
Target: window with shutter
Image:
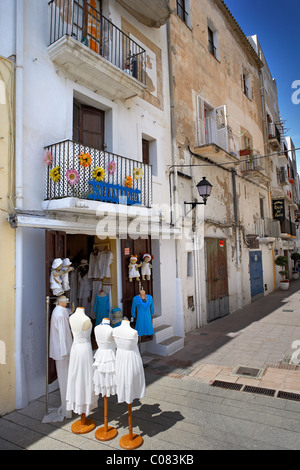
x: 88, y: 125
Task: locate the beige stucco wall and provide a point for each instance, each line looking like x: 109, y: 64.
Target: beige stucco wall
x: 7, y: 237
x: 219, y: 83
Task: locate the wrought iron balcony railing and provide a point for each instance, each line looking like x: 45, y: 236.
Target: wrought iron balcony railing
x: 74, y: 170
x: 81, y: 21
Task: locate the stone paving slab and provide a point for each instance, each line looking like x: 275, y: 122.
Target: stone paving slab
x: 174, y: 415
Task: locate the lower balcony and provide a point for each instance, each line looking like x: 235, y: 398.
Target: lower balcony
x: 84, y: 173
x: 267, y: 228
x: 288, y: 228
x: 253, y: 170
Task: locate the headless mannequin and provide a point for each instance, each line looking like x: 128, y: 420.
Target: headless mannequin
x: 131, y: 440
x: 103, y: 333
x: 79, y: 321
x: 102, y: 293
x: 143, y: 294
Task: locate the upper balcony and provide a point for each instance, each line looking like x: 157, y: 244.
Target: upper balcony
x: 153, y: 13
x: 217, y: 141
x: 95, y: 53
x: 76, y: 174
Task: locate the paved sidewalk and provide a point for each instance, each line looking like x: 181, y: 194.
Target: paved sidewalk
x: 262, y: 336
x: 182, y: 410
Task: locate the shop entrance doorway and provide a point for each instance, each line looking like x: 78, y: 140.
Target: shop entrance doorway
x: 136, y: 247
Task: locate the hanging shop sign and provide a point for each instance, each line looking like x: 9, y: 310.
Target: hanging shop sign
x: 278, y: 209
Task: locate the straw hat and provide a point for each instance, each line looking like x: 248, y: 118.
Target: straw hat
x: 61, y: 298
x: 83, y: 262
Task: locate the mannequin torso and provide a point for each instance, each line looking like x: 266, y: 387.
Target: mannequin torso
x: 79, y: 321
x: 124, y: 330
x: 103, y: 332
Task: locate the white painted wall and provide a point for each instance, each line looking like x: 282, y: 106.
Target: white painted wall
x: 47, y: 117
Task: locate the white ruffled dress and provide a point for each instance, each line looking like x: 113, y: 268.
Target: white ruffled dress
x: 104, y: 369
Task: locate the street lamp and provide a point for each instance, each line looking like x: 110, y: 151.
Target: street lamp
x: 204, y: 189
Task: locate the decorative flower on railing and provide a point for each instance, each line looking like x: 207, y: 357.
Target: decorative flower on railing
x: 128, y: 182
x: 84, y: 159
x: 55, y: 174
x: 72, y: 177
x: 99, y: 174
x: 138, y: 173
x: 111, y: 167
x: 48, y: 158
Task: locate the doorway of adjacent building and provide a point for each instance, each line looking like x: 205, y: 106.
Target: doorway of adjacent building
x: 216, y: 279
x: 256, y: 274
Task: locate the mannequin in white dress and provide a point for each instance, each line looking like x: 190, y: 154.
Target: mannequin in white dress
x: 130, y: 376
x: 80, y: 391
x: 104, y: 374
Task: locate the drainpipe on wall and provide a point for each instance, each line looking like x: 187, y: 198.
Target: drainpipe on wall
x: 237, y: 239
x: 179, y: 314
x: 21, y: 383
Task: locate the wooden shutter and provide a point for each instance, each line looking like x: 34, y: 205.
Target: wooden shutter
x: 200, y: 120
x: 88, y: 126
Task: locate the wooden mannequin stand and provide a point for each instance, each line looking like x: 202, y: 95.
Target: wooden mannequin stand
x: 83, y: 426
x: 131, y: 441
x: 106, y: 433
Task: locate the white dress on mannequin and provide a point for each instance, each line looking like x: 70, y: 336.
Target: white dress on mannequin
x: 105, y: 358
x: 80, y: 390
x: 129, y: 366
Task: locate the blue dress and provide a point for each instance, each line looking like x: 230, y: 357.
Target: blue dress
x: 143, y: 312
x: 101, y: 308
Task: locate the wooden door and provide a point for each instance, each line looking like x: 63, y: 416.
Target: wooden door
x: 217, y: 279
x: 130, y: 289
x: 56, y: 247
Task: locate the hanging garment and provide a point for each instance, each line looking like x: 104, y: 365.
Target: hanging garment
x: 96, y: 288
x: 80, y: 395
x: 105, y: 260
x: 84, y: 291
x: 101, y: 307
x: 143, y: 310
x: 104, y: 362
x: 94, y: 271
x: 129, y: 369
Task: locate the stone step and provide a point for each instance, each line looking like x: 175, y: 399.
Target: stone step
x: 167, y: 346
x: 163, y: 332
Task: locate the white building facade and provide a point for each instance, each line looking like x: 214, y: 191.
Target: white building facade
x: 90, y: 79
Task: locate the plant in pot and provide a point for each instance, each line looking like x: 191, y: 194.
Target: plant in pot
x: 282, y: 261
x: 295, y: 257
